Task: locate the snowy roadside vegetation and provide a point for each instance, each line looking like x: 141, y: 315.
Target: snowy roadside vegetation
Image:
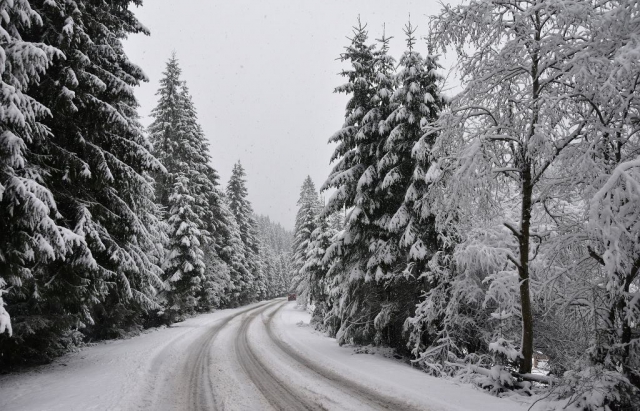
x: 108, y: 228
x: 501, y: 225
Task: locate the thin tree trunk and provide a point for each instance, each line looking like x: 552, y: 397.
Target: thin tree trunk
x: 523, y: 271
x: 525, y: 228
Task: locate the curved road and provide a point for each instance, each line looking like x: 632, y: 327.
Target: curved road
x: 278, y: 393
x: 238, y: 362
x: 249, y: 358
x: 244, y: 368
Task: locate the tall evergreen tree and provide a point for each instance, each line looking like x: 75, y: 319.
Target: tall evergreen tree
x: 185, y: 264
x: 165, y: 127
x: 96, y: 164
x: 241, y: 209
x: 29, y: 232
x: 308, y: 209
x: 188, y: 192
x: 234, y: 251
x: 408, y: 238
x: 365, y: 252
x: 418, y: 103
x: 316, y: 266
x: 100, y: 153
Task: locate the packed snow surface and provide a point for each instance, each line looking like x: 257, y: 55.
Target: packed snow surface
x: 263, y: 356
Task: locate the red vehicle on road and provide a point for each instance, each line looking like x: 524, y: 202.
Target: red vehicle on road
x: 292, y: 297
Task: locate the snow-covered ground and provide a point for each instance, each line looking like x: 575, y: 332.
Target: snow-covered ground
x: 257, y: 357
x: 385, y: 375
x: 115, y: 375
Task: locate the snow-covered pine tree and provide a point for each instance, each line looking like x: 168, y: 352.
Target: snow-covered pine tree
x: 29, y: 232
x: 406, y: 159
x: 181, y: 145
x: 218, y: 268
x: 317, y: 266
x: 241, y: 209
x: 407, y: 239
x: 185, y: 264
x: 364, y: 306
x: 309, y: 207
x: 165, y: 127
x: 204, y: 185
x: 101, y: 155
x: 97, y: 162
x: 232, y: 252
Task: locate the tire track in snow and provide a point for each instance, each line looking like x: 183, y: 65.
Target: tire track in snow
x: 368, y: 395
x: 201, y: 395
x: 280, y: 395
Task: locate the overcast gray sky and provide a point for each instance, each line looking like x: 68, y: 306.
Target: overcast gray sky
x: 262, y: 75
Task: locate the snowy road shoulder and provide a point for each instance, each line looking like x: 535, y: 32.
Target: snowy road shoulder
x: 385, y: 375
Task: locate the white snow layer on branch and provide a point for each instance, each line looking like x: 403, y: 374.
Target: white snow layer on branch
x: 5, y: 320
x: 615, y: 215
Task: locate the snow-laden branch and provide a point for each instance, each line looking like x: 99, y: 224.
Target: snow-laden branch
x: 5, y: 319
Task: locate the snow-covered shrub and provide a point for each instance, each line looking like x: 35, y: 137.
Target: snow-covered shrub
x: 593, y: 388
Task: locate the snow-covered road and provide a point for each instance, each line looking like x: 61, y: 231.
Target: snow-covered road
x: 263, y: 356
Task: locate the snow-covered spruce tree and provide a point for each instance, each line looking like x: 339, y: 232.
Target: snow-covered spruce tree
x: 316, y: 266
x: 112, y: 207
x: 308, y: 209
x: 354, y: 154
x: 97, y: 162
x: 232, y: 253
x: 241, y: 209
x: 163, y: 131
x: 408, y: 237
x: 218, y: 263
x: 189, y: 188
x: 185, y: 264
x: 204, y: 184
x: 368, y: 262
x: 29, y: 232
x: 526, y: 148
x: 406, y: 159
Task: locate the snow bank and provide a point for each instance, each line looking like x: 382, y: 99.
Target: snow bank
x: 390, y: 376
